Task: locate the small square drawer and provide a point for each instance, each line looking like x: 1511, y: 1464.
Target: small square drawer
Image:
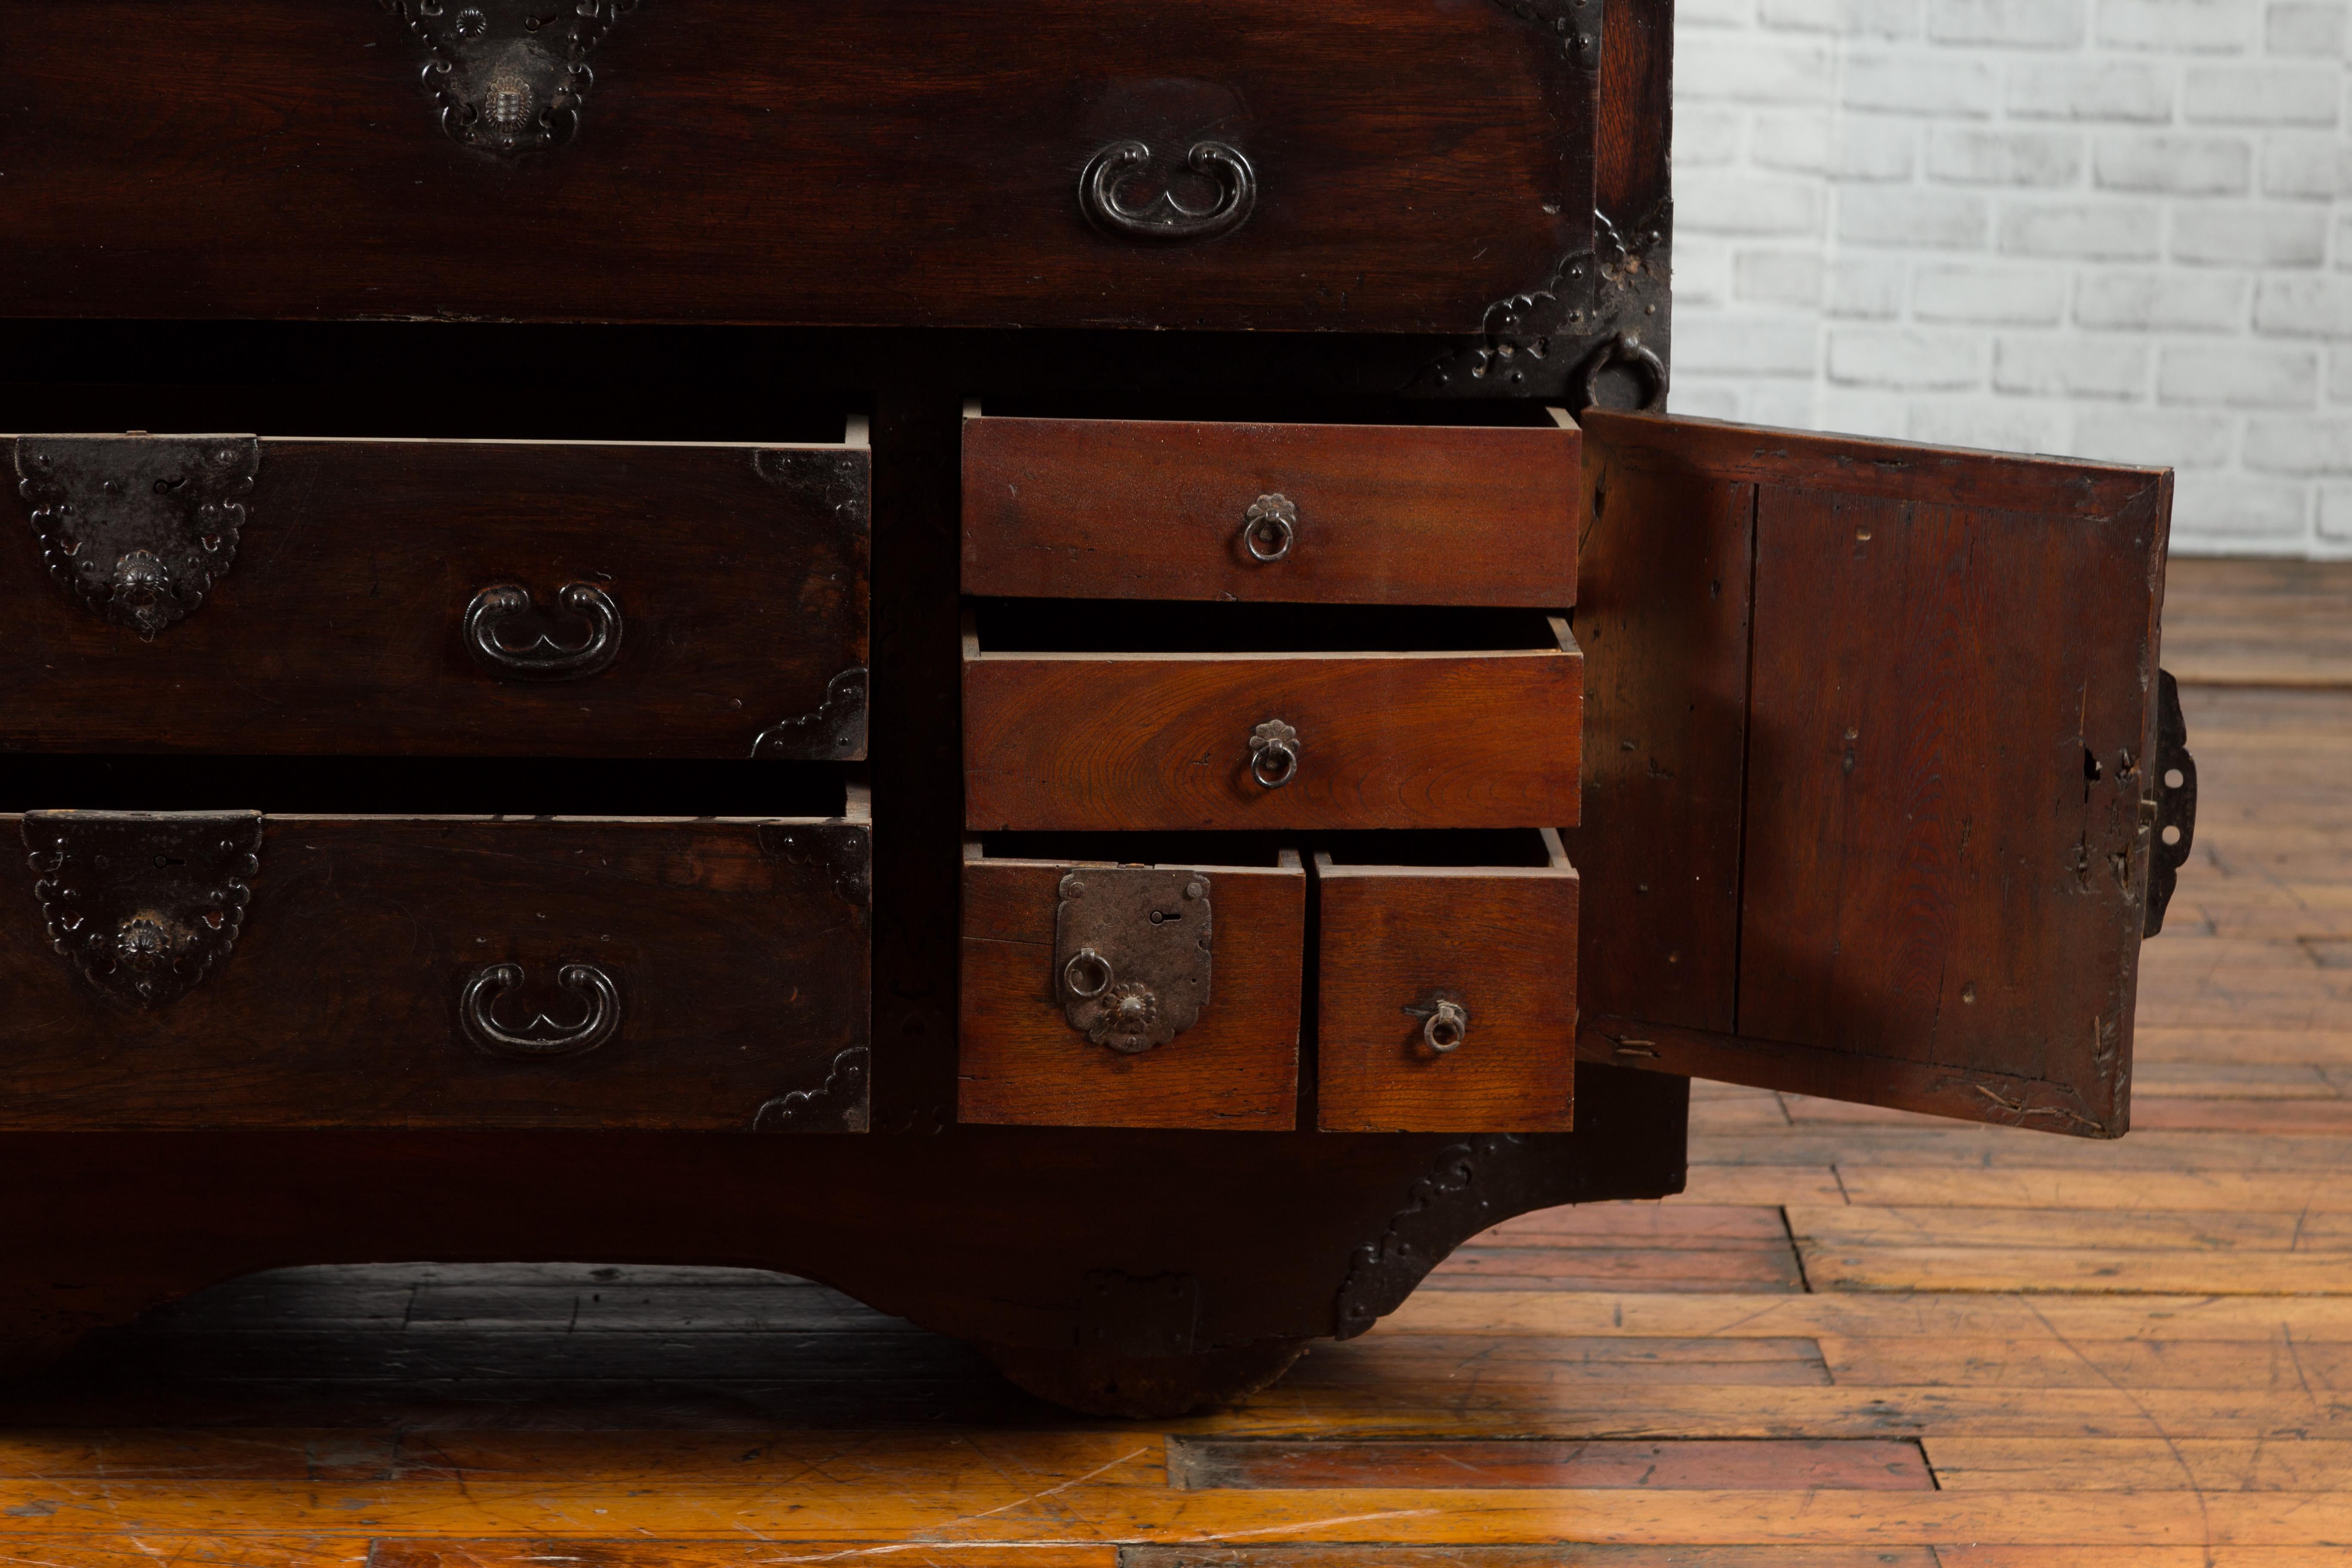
x: 1237, y: 716
x: 250, y: 969
x: 1384, y: 509
x: 1104, y: 987
x: 315, y: 595
x: 1445, y: 983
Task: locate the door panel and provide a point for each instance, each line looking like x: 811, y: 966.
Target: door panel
x: 1933, y: 828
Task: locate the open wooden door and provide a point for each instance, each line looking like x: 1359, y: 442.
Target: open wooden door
x: 1873, y: 798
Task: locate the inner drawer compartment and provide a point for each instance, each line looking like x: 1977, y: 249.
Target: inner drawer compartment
x: 1384, y: 508
x: 1127, y: 982
x: 1154, y: 717
x: 1445, y: 983
x: 242, y: 969
x: 496, y: 597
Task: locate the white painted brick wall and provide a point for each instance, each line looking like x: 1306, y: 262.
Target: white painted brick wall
x: 2119, y: 229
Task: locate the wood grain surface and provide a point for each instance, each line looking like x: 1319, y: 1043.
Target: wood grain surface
x: 1501, y: 941
x: 1665, y: 564
x: 1962, y: 1310
x: 1395, y: 514
x: 742, y: 974
x: 1142, y: 742
x: 1943, y: 705
x: 738, y: 573
x: 1415, y: 162
x: 1020, y: 1060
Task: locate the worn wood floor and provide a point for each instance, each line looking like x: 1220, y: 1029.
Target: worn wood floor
x: 1863, y: 1340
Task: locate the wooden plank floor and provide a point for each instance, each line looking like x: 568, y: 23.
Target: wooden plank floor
x: 1861, y: 1340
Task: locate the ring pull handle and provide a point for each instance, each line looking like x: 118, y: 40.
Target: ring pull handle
x: 1626, y: 349
x: 1269, y: 528
x: 1273, y: 753
x: 1166, y: 218
x: 1088, y: 975
x: 1445, y: 1023
x: 541, y: 1037
x: 544, y: 659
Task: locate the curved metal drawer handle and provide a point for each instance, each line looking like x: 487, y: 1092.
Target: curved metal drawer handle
x: 1166, y: 218
x: 542, y: 1036
x: 544, y: 659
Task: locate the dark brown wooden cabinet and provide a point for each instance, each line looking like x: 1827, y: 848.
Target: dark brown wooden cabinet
x: 1053, y: 664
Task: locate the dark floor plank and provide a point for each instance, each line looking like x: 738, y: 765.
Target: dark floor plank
x: 1601, y: 1360
x: 1559, y: 1554
x: 523, y: 1552
x: 1481, y: 1268
x: 1865, y: 1464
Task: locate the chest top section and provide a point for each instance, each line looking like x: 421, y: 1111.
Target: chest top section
x: 1388, y: 166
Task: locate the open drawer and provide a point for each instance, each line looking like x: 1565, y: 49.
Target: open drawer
x: 233, y: 969
x: 1153, y: 717
x: 1405, y: 505
x: 451, y: 598
x: 1445, y: 983
x: 1102, y: 987
x: 1119, y: 980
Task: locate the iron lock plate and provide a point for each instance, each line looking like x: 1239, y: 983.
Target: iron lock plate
x: 138, y: 527
x: 143, y: 904
x: 1131, y: 954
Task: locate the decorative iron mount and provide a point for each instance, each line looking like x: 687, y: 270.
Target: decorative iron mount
x: 143, y: 904
x: 2170, y: 813
x: 138, y: 527
x: 1597, y: 331
x: 509, y: 77
x: 1132, y: 951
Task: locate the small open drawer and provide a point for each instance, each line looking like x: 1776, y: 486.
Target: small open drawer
x: 1403, y: 505
x: 1445, y: 983
x: 1155, y: 717
x: 1105, y: 987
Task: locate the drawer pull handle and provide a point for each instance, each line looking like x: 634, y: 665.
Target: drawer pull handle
x: 1088, y: 975
x: 1273, y: 753
x: 544, y: 659
x: 1269, y: 528
x: 542, y: 1036
x: 1445, y: 1023
x: 1166, y: 218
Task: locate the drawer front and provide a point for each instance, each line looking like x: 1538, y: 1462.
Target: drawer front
x: 1112, y: 742
x: 1362, y: 514
x: 518, y: 598
x: 709, y: 161
x: 1022, y: 1060
x: 435, y: 972
x: 1446, y: 998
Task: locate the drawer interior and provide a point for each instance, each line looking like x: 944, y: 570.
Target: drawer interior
x: 1018, y: 628
x: 484, y: 786
x: 1243, y: 409
x: 668, y: 398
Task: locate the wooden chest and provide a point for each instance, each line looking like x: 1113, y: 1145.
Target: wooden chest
x: 1067, y: 648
